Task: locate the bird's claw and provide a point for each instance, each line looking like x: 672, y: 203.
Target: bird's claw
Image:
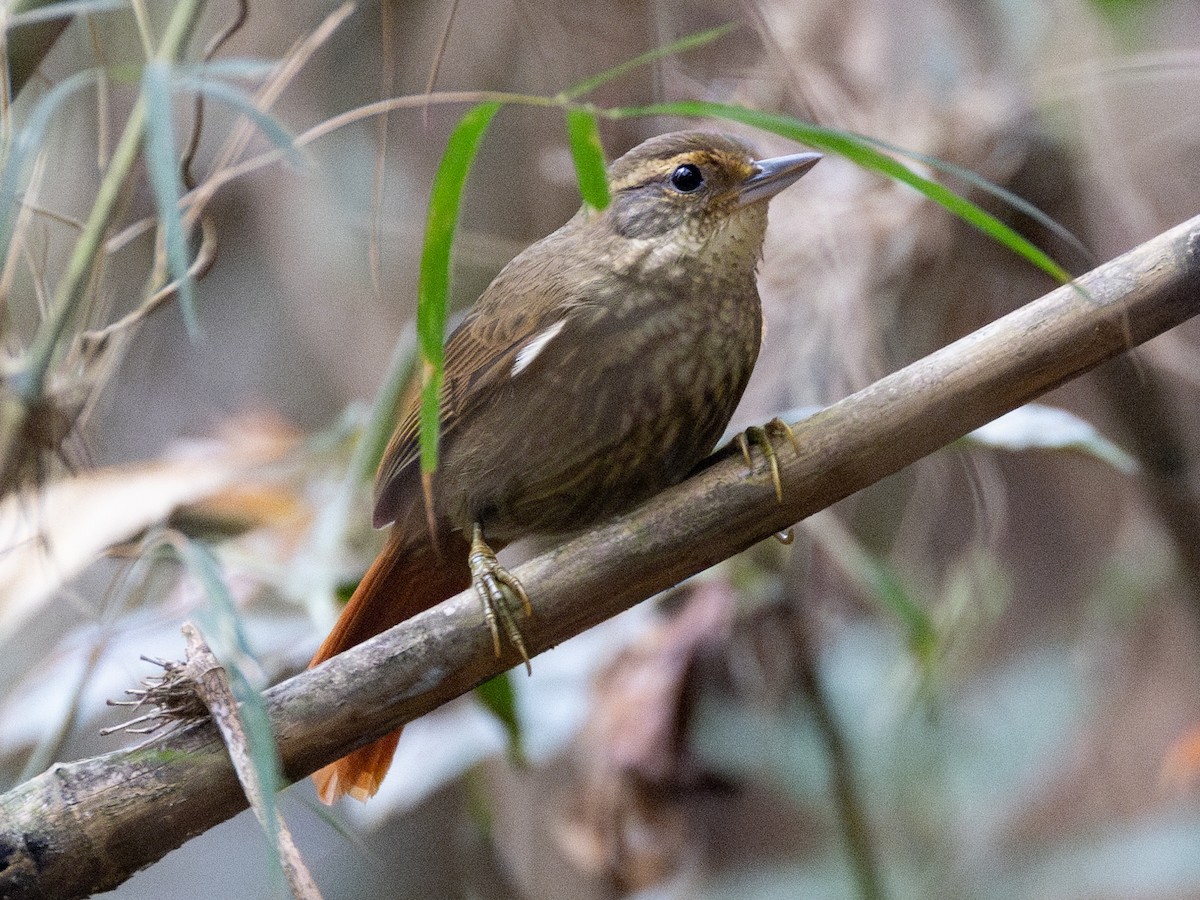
x: 498, y: 591
x: 762, y: 436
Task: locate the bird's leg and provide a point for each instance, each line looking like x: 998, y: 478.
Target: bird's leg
x: 762, y: 436
x: 498, y: 592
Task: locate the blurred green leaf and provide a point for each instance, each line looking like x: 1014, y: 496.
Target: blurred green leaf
x: 1035, y: 426
x: 880, y: 584
x: 239, y: 68
x: 1006, y: 196
x: 886, y: 587
x: 499, y: 697
x: 433, y: 287
x: 859, y: 151
x: 271, y: 128
x: 163, y: 169
x: 690, y: 42
x: 1122, y: 12
x: 221, y: 625
x: 588, y: 154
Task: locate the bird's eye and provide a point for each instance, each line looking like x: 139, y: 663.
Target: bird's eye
x: 687, y: 178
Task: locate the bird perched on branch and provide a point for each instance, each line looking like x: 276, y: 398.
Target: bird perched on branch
x: 599, y: 367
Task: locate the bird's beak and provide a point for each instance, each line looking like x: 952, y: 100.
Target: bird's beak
x: 772, y: 175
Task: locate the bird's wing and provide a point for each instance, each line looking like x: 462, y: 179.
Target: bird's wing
x: 480, y: 357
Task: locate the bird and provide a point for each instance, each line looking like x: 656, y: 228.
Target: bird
x: 600, y: 366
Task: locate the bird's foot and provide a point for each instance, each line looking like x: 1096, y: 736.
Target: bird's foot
x: 762, y: 436
x: 499, y: 592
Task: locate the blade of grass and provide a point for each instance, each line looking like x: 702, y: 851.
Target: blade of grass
x: 588, y: 154
x: 499, y: 697
x: 1006, y: 196
x: 163, y: 171
x: 222, y: 628
x: 879, y: 582
x: 241, y: 102
x: 859, y: 151
x: 433, y: 290
x: 690, y: 42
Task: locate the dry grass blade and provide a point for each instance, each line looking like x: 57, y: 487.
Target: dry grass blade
x: 212, y: 687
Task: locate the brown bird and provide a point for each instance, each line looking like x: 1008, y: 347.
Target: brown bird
x: 602, y: 364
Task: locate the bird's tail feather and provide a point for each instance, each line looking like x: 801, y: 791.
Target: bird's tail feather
x: 407, y: 578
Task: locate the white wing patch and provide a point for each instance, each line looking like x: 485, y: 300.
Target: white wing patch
x: 535, y: 346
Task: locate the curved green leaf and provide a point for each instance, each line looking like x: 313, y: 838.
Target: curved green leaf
x: 433, y: 287
x: 858, y: 150
x: 588, y: 154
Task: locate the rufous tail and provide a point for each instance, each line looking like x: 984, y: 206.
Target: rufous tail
x: 408, y: 577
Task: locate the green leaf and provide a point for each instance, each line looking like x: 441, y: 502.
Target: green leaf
x: 499, y: 697
x: 588, y: 154
x: 1006, y: 196
x: 433, y: 287
x: 163, y: 169
x: 885, y: 586
x: 881, y: 584
x: 1036, y: 426
x: 858, y: 150
x: 690, y: 42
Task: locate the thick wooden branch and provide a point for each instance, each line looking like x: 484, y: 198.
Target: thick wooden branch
x: 87, y: 825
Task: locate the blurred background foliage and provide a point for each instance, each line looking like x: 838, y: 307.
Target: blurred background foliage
x: 976, y: 679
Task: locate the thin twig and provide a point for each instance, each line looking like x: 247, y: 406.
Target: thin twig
x: 225, y: 174
x: 387, y: 77
x: 438, y: 55
x: 92, y: 341
x: 268, y: 94
x: 217, y: 42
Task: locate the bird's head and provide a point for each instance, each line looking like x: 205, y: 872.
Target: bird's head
x: 687, y: 193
